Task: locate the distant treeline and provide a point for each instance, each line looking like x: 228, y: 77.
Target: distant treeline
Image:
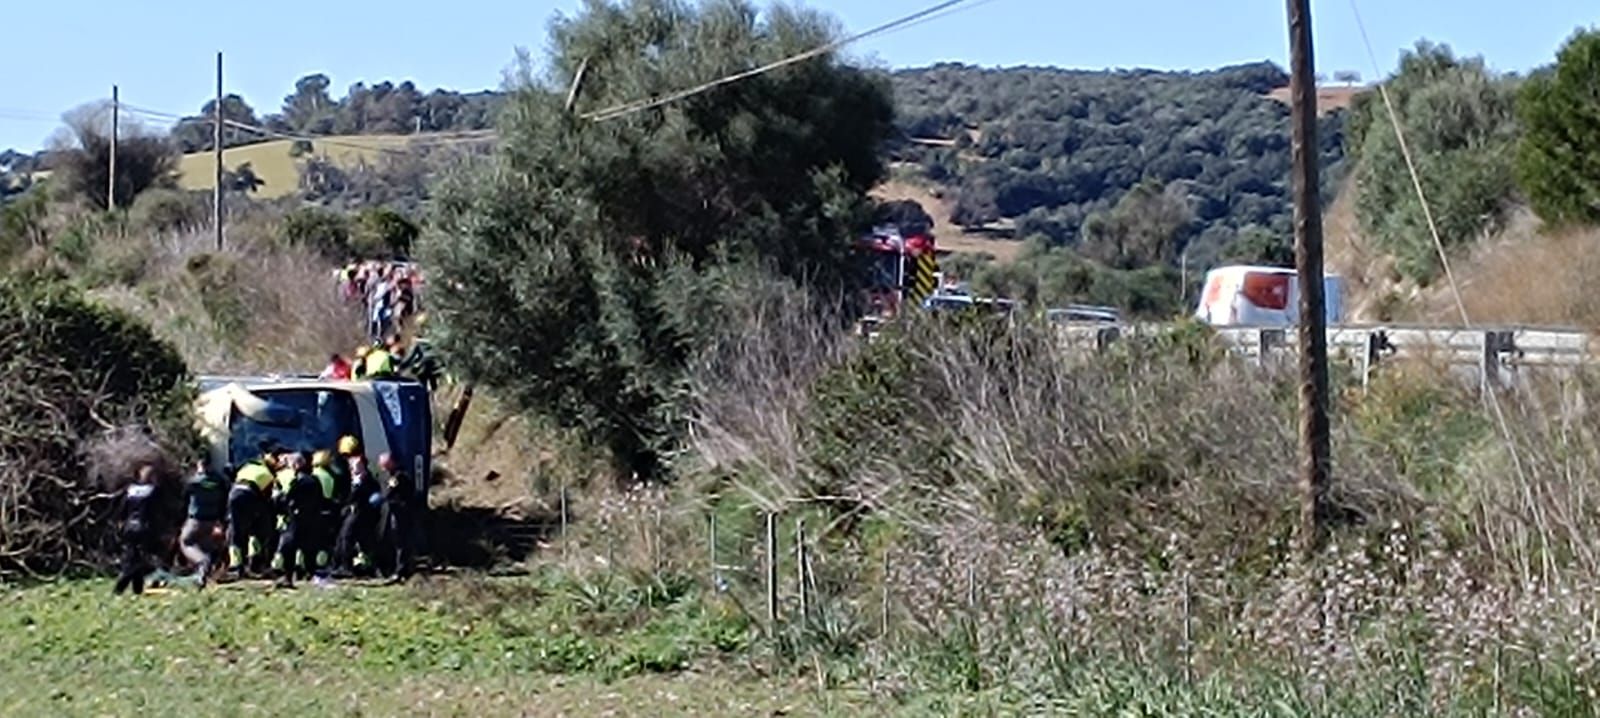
x: 1049, y: 148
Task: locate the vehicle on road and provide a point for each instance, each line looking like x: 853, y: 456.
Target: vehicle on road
x: 1254, y: 296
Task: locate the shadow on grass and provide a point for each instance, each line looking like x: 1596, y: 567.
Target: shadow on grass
x: 485, y: 538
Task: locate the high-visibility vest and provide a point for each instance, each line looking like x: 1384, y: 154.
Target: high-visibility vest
x: 325, y: 477
x: 379, y: 363
x: 286, y: 479
x: 255, y: 474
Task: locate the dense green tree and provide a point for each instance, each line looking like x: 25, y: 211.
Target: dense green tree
x: 1558, y: 160
x: 383, y: 232
x: 82, y: 155
x: 69, y: 370
x: 1257, y: 245
x: 1146, y: 228
x: 310, y: 110
x: 1460, y: 127
x: 581, y: 267
x: 1047, y: 276
x: 1049, y: 148
x: 196, y: 133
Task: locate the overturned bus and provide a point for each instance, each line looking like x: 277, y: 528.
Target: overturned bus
x: 237, y: 415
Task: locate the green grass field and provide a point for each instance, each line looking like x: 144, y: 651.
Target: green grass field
x: 449, y: 646
x: 273, y: 164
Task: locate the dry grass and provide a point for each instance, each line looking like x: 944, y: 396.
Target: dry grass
x: 948, y: 235
x: 1525, y: 275
x: 254, y: 307
x: 1077, y: 514
x: 1328, y: 98
x: 1373, y: 290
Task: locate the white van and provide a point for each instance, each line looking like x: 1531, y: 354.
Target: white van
x: 1261, y: 297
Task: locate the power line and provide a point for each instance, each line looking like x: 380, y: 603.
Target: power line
x: 435, y: 138
x: 629, y: 108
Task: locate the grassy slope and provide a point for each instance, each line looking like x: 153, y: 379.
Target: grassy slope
x: 273, y: 164
x: 75, y: 649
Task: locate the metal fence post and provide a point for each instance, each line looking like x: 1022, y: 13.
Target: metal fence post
x: 711, y: 545
x: 772, y: 569
x: 1496, y: 344
x: 1377, y: 343
x: 800, y: 568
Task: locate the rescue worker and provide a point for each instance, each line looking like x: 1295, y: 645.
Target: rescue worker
x: 250, y: 512
x: 300, y: 501
x: 140, y: 534
x: 208, y: 503
x: 328, y: 520
x: 358, y: 533
x: 358, y: 368
x: 419, y: 363
x: 379, y: 363
x: 401, y: 498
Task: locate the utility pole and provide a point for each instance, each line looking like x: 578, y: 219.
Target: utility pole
x: 111, y: 176
x: 1315, y: 445
x: 216, y: 141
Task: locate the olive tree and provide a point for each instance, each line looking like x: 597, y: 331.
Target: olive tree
x: 582, y: 267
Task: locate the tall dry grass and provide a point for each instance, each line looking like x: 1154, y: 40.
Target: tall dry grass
x: 1073, y: 514
x: 256, y: 306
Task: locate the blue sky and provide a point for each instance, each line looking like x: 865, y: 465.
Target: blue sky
x: 64, y: 54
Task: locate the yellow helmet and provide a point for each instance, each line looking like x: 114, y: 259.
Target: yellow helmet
x: 349, y: 445
x: 322, y: 459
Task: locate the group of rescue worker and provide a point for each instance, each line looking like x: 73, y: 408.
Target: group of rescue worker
x: 324, y: 511
x: 287, y: 514
x: 388, y: 359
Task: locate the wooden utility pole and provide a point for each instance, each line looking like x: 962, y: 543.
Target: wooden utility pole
x: 1315, y: 446
x: 216, y: 141
x: 111, y: 176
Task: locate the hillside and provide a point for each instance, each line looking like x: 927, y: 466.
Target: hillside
x: 1049, y: 149
x: 1329, y: 99
x: 1003, y: 154
x: 274, y: 163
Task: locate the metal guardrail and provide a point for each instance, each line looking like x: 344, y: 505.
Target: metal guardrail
x: 1495, y: 351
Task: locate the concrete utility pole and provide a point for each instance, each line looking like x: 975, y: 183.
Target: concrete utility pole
x: 111, y: 176
x: 216, y: 141
x: 1315, y: 445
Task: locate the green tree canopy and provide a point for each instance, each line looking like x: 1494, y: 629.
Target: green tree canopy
x: 581, y: 267
x: 197, y: 133
x: 1460, y: 126
x: 1558, y: 161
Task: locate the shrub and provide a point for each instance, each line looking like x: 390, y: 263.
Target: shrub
x: 383, y: 232
x: 320, y: 230
x: 167, y: 210
x: 72, y: 371
x: 1459, y: 121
